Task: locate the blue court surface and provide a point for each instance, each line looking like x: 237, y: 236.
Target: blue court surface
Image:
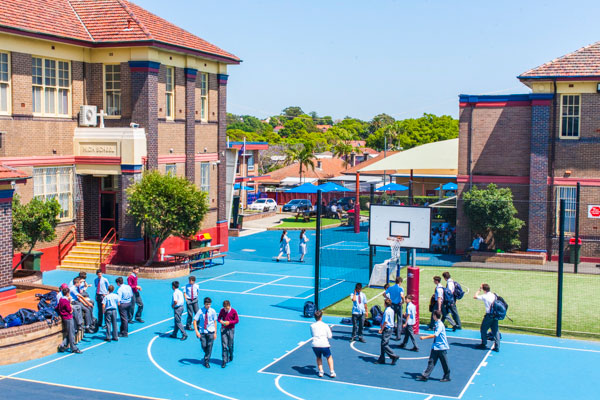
x: 272, y: 356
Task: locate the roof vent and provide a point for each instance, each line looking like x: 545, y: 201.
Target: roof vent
x: 129, y: 28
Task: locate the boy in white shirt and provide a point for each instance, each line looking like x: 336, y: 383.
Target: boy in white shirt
x: 177, y: 304
x: 359, y: 312
x: 488, y: 322
x: 321, y: 333
x: 410, y: 318
x: 387, y: 327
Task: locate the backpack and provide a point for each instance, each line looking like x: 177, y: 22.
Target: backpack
x: 346, y: 321
x: 458, y: 291
x: 28, y: 316
x: 499, y: 308
x: 12, y: 320
x: 376, y: 314
x: 309, y: 309
x: 448, y: 296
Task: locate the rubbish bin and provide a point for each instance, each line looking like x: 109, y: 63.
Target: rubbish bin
x: 202, y: 240
x: 32, y: 261
x: 574, y: 251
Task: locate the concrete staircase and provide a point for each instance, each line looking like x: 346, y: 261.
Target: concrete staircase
x: 85, y: 256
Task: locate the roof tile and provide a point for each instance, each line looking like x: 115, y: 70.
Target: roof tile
x: 580, y: 63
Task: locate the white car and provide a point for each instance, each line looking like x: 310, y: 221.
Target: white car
x: 264, y: 205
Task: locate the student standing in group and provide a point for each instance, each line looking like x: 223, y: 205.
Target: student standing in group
x: 205, y: 325
x: 359, y: 312
x: 396, y: 294
x: 450, y: 308
x: 321, y: 333
x: 439, y: 349
x: 177, y: 306
x: 228, y: 318
x: 86, y: 306
x: 125, y: 296
x: 66, y: 313
x: 132, y: 280
x: 438, y: 296
x: 109, y: 306
x: 101, y: 284
x: 387, y: 327
x: 191, y: 300
x: 488, y: 322
x: 303, y: 244
x: 410, y: 319
x: 284, y: 246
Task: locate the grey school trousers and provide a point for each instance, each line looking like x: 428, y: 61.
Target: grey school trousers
x: 227, y: 343
x: 69, y: 334
x: 110, y: 316
x: 207, y: 340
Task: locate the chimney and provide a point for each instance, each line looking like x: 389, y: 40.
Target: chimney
x: 353, y: 159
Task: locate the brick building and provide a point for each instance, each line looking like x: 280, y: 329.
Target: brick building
x: 58, y: 56
x: 540, y: 145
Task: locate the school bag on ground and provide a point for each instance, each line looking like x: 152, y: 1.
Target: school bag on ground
x: 346, y: 321
x: 499, y: 308
x: 376, y: 314
x: 309, y: 309
x: 458, y: 291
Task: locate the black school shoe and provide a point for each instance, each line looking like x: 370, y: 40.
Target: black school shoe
x: 207, y: 365
x: 394, y: 360
x: 481, y: 347
x: 421, y: 378
x: 183, y: 338
x: 445, y: 379
x: 223, y: 364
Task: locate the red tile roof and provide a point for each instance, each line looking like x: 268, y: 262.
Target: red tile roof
x: 584, y: 62
x: 352, y: 171
x: 11, y: 174
x: 330, y: 167
x: 96, y: 22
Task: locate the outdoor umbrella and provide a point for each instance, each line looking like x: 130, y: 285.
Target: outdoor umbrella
x: 305, y: 188
x: 237, y: 186
x: 448, y: 186
x: 392, y: 187
x: 332, y: 187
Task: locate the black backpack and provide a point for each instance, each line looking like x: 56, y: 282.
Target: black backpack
x: 499, y: 308
x: 376, y: 314
x: 309, y: 309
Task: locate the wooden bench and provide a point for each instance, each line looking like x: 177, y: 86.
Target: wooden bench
x: 204, y: 260
x: 200, y: 255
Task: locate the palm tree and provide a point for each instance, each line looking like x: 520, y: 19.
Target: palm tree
x: 343, y: 150
x: 303, y: 154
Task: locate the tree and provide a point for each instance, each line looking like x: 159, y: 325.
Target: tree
x: 355, y: 127
x: 32, y: 223
x: 303, y: 154
x: 292, y: 111
x: 380, y: 121
x: 166, y: 205
x: 343, y: 150
x: 491, y: 211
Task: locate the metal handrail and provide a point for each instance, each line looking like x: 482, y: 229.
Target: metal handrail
x: 109, y: 238
x: 70, y: 234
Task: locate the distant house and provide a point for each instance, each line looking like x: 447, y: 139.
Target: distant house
x: 289, y: 176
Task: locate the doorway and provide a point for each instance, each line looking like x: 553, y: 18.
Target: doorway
x: 109, y: 211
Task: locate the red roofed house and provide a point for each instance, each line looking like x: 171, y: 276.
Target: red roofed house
x: 540, y: 145
x: 63, y: 60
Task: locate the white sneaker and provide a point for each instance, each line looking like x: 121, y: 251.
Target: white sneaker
x: 320, y: 374
x: 332, y: 374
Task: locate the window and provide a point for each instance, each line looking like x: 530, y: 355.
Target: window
x: 251, y: 162
x: 169, y: 91
x: 569, y: 195
x: 112, y: 89
x: 171, y: 169
x: 51, y: 87
x: 203, y: 96
x: 569, y: 113
x: 55, y: 183
x: 4, y: 84
x: 110, y: 183
x: 205, y: 177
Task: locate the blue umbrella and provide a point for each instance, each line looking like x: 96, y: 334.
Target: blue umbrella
x: 332, y: 187
x: 448, y: 186
x: 396, y: 187
x: 237, y: 186
x: 305, y: 188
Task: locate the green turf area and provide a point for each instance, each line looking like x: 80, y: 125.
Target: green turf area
x: 292, y: 223
x: 531, y: 297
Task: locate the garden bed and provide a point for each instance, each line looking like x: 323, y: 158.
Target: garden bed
x: 509, y: 258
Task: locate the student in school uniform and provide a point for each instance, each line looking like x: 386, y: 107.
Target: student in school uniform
x: 284, y: 246
x: 125, y: 297
x: 321, y: 333
x: 205, y: 325
x: 228, y: 318
x: 303, y: 244
x: 439, y: 350
x: 191, y: 292
x: 410, y: 319
x: 78, y: 321
x: 488, y: 322
x: 177, y: 305
x: 110, y: 304
x: 438, y: 296
x: 359, y: 313
x: 386, y: 330
x: 450, y: 308
x: 86, y: 306
x: 101, y: 284
x: 132, y: 280
x: 396, y: 294
x: 65, y: 311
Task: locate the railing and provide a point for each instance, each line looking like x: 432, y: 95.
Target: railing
x: 109, y: 239
x: 66, y: 243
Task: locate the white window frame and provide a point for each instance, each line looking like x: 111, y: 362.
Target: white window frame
x: 112, y: 90
x: 569, y: 194
x: 6, y: 83
x: 203, y: 97
x: 205, y: 180
x: 45, y: 87
x: 570, y: 116
x: 171, y: 169
x: 45, y: 188
x: 170, y: 94
x: 250, y: 156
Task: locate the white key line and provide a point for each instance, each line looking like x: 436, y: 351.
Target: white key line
x: 264, y: 284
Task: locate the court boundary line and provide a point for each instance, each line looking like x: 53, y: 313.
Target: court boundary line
x: 264, y: 284
x: 470, y: 381
x: 283, y: 391
x: 377, y: 355
x: 260, y: 283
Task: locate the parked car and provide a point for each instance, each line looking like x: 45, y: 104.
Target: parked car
x: 263, y: 205
x: 297, y: 205
x: 344, y: 202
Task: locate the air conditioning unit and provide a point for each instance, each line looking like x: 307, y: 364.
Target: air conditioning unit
x: 87, y: 116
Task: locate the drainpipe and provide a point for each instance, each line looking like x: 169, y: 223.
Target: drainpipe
x: 549, y: 225
x: 470, y: 151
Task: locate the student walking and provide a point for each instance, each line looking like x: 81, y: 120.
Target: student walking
x: 284, y: 246
x: 303, y: 244
x: 321, y: 333
x: 408, y: 329
x: 125, y: 297
x: 191, y: 299
x: 109, y: 306
x: 66, y: 313
x: 488, y: 322
x: 205, y: 325
x: 228, y: 318
x: 450, y: 307
x: 387, y: 327
x: 396, y: 294
x: 359, y: 313
x: 132, y: 280
x: 101, y: 284
x: 177, y: 305
x: 439, y: 350
x: 438, y: 300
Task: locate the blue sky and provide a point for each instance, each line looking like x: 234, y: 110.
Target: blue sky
x: 361, y: 58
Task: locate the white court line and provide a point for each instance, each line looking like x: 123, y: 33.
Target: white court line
x: 264, y: 284
x: 374, y: 297
x: 377, y: 355
x: 481, y: 364
x: 263, y: 273
x: 255, y: 294
x: 333, y: 244
x: 259, y: 283
x: 85, y: 388
x: 429, y: 397
x: 285, y: 355
x: 532, y: 345
x: 277, y: 319
x: 149, y: 352
x: 283, y: 391
x: 216, y: 277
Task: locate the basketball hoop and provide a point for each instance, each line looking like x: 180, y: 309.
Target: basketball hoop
x: 395, y: 243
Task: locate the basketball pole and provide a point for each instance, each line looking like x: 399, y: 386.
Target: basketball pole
x: 371, y: 248
x: 318, y: 246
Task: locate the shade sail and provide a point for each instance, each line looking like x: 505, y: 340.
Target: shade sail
x: 332, y: 187
x: 305, y: 188
x: 392, y: 187
x: 448, y: 186
x: 237, y: 186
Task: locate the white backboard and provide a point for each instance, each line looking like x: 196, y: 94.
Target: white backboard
x: 412, y: 223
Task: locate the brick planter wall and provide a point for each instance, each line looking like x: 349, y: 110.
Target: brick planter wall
x: 157, y: 272
x: 28, y: 342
